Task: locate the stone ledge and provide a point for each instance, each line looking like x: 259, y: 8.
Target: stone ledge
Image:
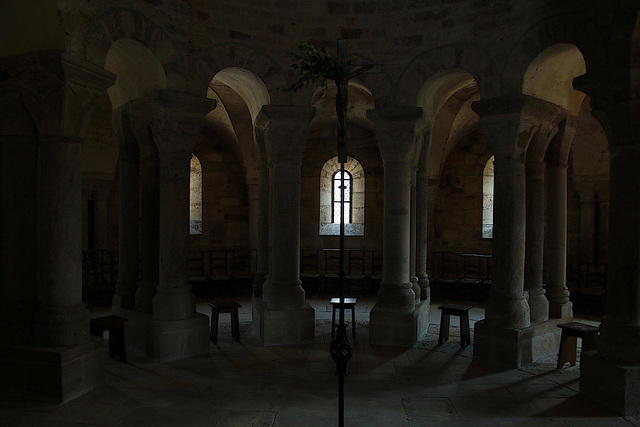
x: 166, y: 340
x: 286, y: 327
x: 622, y: 391
x: 398, y: 329
x: 56, y: 374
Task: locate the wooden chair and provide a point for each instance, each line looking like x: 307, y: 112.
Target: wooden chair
x: 310, y: 270
x: 242, y: 272
x: 356, y: 270
x: 331, y: 270
x: 219, y: 272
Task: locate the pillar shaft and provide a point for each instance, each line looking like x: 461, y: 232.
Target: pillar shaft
x: 398, y: 318
x: 620, y: 329
x: 421, y: 231
x: 128, y: 226
x: 263, y: 233
x: 507, y: 307
x: 534, y: 252
x: 150, y: 233
x: 285, y: 141
x: 556, y: 246
x: 61, y: 319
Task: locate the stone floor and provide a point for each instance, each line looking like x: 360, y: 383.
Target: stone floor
x: 245, y: 384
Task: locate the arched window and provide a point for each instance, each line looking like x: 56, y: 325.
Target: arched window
x: 195, y: 197
x: 330, y: 182
x: 337, y: 196
x: 487, y: 200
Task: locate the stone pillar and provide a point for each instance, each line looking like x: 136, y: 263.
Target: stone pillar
x: 502, y: 340
x: 534, y: 252
x: 262, y: 244
x: 422, y: 207
x: 149, y: 233
x: 127, y: 222
x: 50, y: 97
x: 285, y: 317
x: 412, y: 267
x: 556, y: 246
x: 173, y: 330
x: 396, y: 319
x: 588, y: 206
x: 611, y: 375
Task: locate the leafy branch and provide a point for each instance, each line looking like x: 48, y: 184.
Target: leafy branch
x: 313, y: 64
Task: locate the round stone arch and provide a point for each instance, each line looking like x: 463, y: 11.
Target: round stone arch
x: 119, y: 23
x: 236, y: 55
x: 356, y: 226
x: 574, y: 29
x: 446, y: 99
x: 139, y: 72
x: 466, y: 56
x: 240, y: 95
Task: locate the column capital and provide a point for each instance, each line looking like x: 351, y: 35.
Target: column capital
x: 171, y: 119
x: 396, y: 133
x: 612, y: 102
x: 50, y: 93
x: 512, y: 121
x: 285, y: 130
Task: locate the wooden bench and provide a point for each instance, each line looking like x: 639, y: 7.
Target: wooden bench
x: 224, y: 306
x: 569, y: 341
x: 349, y: 304
x: 455, y: 310
x: 115, y: 326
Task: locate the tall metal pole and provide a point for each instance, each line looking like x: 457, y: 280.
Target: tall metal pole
x: 341, y: 350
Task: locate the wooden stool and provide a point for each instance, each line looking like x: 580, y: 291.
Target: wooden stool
x: 226, y: 306
x: 115, y: 326
x: 349, y: 304
x: 456, y: 310
x: 569, y: 341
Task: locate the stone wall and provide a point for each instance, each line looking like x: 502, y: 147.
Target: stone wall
x: 458, y: 216
x: 225, y: 207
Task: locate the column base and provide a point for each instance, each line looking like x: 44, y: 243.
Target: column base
x: 561, y: 311
x: 51, y: 374
x: 174, y: 304
x: 502, y: 349
x: 166, y: 340
x: 614, y: 386
x: 400, y: 329
x: 292, y: 326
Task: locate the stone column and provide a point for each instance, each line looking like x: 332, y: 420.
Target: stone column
x: 500, y: 340
x: 587, y: 193
x: 556, y: 247
x: 534, y: 252
x: 49, y: 98
x: 422, y: 207
x: 173, y: 330
x: 262, y: 244
x: 396, y: 319
x: 149, y: 233
x: 285, y: 316
x: 611, y: 376
x: 412, y: 268
x: 127, y: 222
x: 421, y: 234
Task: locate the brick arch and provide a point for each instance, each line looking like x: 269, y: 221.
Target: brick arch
x: 121, y: 23
x: 571, y: 28
x: 466, y: 56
